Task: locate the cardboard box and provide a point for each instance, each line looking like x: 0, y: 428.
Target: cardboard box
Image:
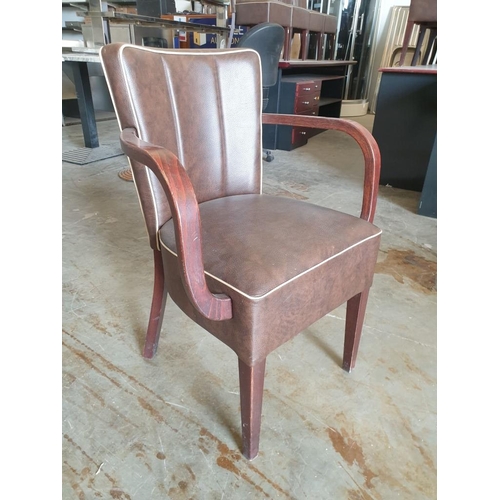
x: 196, y: 40
x: 184, y: 39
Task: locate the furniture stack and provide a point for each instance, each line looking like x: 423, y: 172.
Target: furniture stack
x: 424, y: 14
x: 314, y: 27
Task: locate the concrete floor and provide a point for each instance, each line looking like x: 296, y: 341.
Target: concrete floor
x: 169, y: 428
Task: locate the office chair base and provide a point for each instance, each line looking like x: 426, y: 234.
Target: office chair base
x: 269, y: 157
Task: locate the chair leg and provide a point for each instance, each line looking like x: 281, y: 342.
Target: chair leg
x: 314, y: 41
x: 355, y: 315
x: 287, y: 45
x: 420, y: 39
x: 157, y: 308
x: 406, y: 42
x: 251, y: 392
x: 330, y: 46
x: 430, y: 44
x: 304, y: 44
x: 320, y: 46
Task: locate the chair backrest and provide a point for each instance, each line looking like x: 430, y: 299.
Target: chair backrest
x: 267, y: 39
x: 211, y: 123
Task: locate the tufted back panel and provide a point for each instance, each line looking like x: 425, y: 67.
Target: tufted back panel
x: 206, y: 110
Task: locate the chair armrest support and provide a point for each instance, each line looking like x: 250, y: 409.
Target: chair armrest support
x: 186, y: 216
x: 360, y: 134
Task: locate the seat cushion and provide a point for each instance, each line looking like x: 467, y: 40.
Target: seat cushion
x: 285, y: 263
x: 316, y: 21
x: 330, y: 24
x: 250, y: 13
x: 300, y: 18
x: 422, y: 11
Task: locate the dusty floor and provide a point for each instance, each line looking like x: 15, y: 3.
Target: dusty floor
x: 169, y: 428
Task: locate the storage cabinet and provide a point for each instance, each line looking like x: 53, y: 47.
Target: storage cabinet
x: 307, y: 95
x: 299, y: 96
x: 304, y: 88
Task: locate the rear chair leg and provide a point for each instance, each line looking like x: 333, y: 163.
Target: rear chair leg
x: 406, y: 41
x: 157, y: 308
x: 420, y: 40
x: 304, y: 44
x: 251, y: 392
x: 355, y: 315
x: 287, y: 46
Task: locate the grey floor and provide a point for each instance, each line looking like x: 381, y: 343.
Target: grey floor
x: 169, y: 427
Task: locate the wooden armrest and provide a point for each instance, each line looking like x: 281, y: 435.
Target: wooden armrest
x: 363, y: 137
x: 186, y: 216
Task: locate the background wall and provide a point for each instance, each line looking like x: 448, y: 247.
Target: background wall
x: 382, y: 24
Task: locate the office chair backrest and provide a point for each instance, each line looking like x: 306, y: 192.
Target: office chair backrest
x: 219, y: 159
x: 267, y: 39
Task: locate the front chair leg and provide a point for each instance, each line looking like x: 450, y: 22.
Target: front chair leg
x: 157, y: 308
x: 251, y: 392
x: 355, y: 315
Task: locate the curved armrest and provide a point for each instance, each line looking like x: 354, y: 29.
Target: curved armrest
x: 186, y: 215
x: 365, y: 140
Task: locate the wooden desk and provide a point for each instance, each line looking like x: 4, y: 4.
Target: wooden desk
x: 405, y: 128
x: 78, y: 62
x: 310, y: 87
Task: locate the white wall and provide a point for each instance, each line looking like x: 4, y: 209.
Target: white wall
x: 382, y: 24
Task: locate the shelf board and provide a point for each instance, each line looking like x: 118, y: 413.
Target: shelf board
x: 328, y: 100
x: 312, y: 76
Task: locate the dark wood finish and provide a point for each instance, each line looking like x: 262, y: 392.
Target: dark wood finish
x: 330, y: 45
x: 360, y: 134
x: 421, y: 70
x: 287, y: 43
x: 251, y: 393
x: 262, y: 322
x: 355, y: 315
x: 184, y: 206
x: 157, y: 307
x: 406, y: 41
x: 304, y: 43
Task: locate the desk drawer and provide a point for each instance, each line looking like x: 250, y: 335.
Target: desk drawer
x: 312, y: 87
x: 307, y: 102
x: 299, y: 136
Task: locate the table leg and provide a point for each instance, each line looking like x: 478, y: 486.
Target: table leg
x: 85, y: 103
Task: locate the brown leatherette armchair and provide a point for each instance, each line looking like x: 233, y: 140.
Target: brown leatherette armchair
x: 253, y: 270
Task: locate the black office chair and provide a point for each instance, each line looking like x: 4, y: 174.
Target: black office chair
x: 267, y: 39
